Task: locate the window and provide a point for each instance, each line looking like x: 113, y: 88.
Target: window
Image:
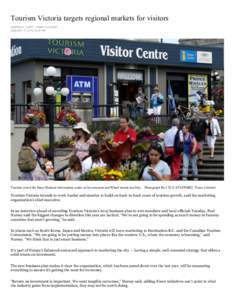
x: 130, y: 75
x: 179, y: 86
x: 58, y: 72
x: 12, y: 93
x: 27, y: 92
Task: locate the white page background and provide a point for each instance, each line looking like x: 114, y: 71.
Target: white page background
x: 198, y: 19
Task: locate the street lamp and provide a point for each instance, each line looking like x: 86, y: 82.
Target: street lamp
x: 64, y: 91
x: 50, y: 91
x: 37, y: 91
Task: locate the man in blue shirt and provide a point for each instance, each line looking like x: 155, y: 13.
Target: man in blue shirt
x: 157, y: 99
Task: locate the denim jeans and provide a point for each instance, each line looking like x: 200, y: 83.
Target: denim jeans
x: 187, y: 158
x: 132, y: 112
x: 139, y: 112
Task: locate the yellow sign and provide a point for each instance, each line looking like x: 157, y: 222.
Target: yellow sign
x: 197, y: 83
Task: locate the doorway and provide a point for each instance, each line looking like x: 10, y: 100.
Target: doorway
x: 128, y: 90
x: 127, y: 93
x: 128, y: 81
x: 179, y: 85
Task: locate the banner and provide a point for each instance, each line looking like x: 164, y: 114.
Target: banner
x: 197, y: 83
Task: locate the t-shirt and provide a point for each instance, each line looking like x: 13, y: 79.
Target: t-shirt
x: 72, y: 175
x: 161, y: 168
x: 140, y: 100
x: 122, y: 136
x: 169, y: 136
x: 156, y: 100
x: 88, y: 164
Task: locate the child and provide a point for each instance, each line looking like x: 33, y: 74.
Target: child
x: 74, y: 170
x: 94, y: 160
x: 49, y: 168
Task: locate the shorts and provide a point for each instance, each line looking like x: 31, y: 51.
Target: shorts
x: 211, y: 141
x: 157, y: 110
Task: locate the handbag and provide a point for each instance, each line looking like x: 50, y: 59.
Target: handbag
x: 197, y: 150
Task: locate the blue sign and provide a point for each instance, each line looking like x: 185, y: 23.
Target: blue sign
x: 189, y: 56
x: 83, y: 84
x: 80, y: 84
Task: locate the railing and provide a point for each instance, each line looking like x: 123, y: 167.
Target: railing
x: 18, y: 111
x: 60, y: 173
x: 107, y: 111
x: 161, y: 120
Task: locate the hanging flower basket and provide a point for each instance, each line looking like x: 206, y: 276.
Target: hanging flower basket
x: 36, y: 118
x: 67, y: 118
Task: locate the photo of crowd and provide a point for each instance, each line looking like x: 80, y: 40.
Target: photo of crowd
x: 108, y: 155
x: 154, y: 135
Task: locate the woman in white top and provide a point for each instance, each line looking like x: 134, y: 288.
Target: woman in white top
x: 94, y: 160
x: 83, y: 140
x: 155, y: 168
x: 212, y: 131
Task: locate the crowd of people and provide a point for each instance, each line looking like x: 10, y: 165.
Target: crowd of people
x: 181, y: 144
x: 185, y: 144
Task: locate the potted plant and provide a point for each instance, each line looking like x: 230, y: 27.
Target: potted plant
x: 64, y: 142
x: 35, y: 117
x: 67, y: 118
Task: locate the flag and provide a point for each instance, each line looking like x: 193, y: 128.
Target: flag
x: 170, y: 92
x: 171, y: 99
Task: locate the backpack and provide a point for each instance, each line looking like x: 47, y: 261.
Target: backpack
x: 178, y: 145
x: 26, y: 160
